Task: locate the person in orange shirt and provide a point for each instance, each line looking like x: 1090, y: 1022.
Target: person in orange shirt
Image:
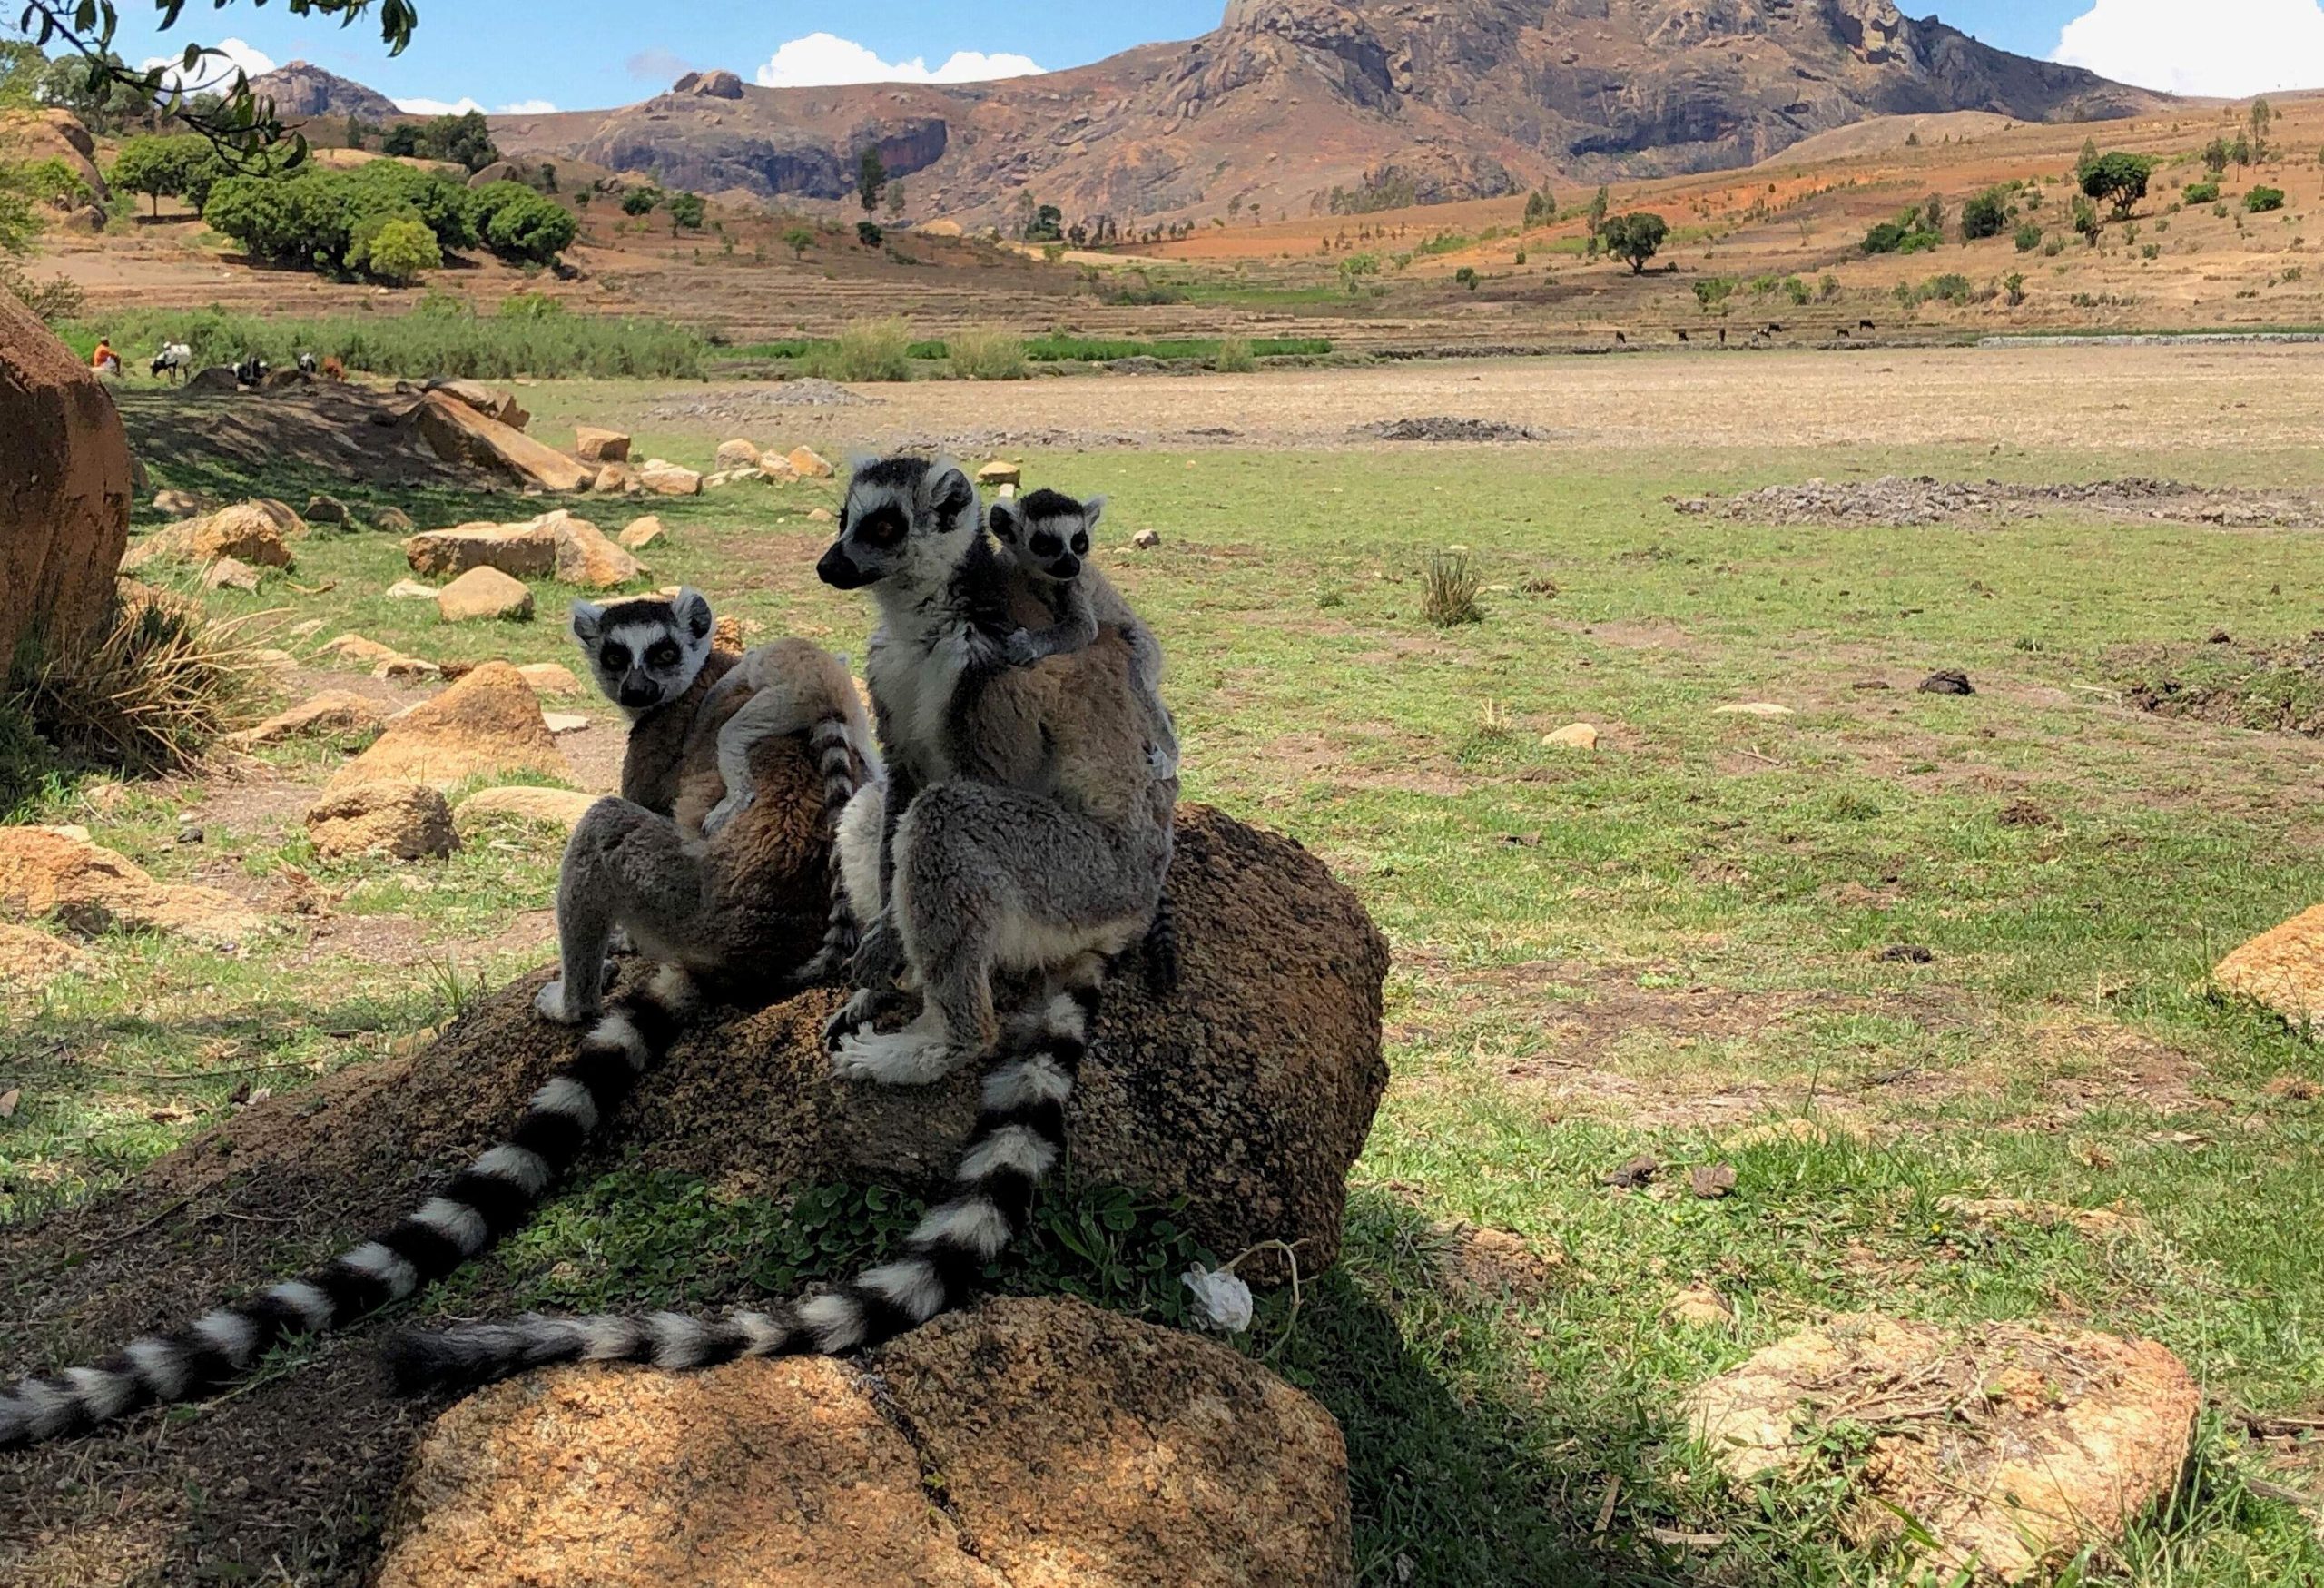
x: 104, y: 360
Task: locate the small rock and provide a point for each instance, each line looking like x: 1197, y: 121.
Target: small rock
x: 355, y: 647
x: 401, y: 669
x: 1698, y: 1307
x: 189, y: 836
x: 525, y: 550
x: 807, y: 463
x: 737, y: 454
x: 2282, y: 969
x: 564, y: 722
x: 326, y: 510
x: 776, y: 468
x: 1754, y: 708
x: 593, y: 445
x: 403, y: 820
x: 1000, y: 472
x: 1949, y: 681
x: 666, y: 478
x: 489, y: 724
x: 613, y: 478
x: 230, y: 573
x: 180, y: 504
x: 822, y: 516
x: 558, y: 807
x: 641, y: 533
x: 56, y: 873
x: 1146, y: 539
x: 586, y: 558
x: 1639, y: 1171
x: 549, y: 678
x: 1572, y: 736
x: 1870, y: 684
x: 411, y: 590
x: 31, y: 959
x: 394, y: 520
x: 1711, y: 1181
x: 484, y: 592
x: 1905, y: 953
x: 258, y: 532
x: 334, y: 711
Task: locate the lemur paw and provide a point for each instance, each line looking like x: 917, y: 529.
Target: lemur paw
x: 1023, y: 649
x: 905, y: 1058
x: 725, y: 811
x: 853, y: 1016
x: 551, y: 1003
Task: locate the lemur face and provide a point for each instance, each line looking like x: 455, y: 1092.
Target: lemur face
x: 903, y: 516
x: 1049, y: 531
x: 644, y: 653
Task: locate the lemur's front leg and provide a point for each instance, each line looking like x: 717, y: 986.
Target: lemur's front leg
x: 624, y: 867
x: 878, y: 964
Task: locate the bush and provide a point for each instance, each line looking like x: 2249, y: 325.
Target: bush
x: 399, y: 251
x: 2261, y: 199
x: 1234, y: 356
x: 50, y: 182
x: 520, y: 225
x: 2029, y: 237
x: 1448, y: 590
x: 2201, y: 192
x: 641, y: 200
x: 1984, y: 216
x: 1904, y: 234
x: 440, y: 336
x: 866, y: 349
x: 986, y: 353
x: 1713, y: 291
x: 1466, y: 276
x: 869, y: 234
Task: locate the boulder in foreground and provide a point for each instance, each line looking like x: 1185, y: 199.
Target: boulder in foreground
x: 484, y: 592
x: 1077, y: 1449
x: 2016, y: 1446
x: 57, y: 873
x: 2282, y: 968
x: 489, y: 724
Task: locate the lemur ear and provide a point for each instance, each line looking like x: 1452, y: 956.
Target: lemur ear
x: 1091, y: 510
x: 949, y: 490
x: 587, y: 621
x: 692, y: 610
x: 1006, y: 519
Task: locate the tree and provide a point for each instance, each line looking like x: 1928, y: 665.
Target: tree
x: 517, y: 223
x: 1933, y: 213
x: 871, y: 176
x: 869, y: 234
x: 2014, y: 284
x: 1597, y: 206
x: 2086, y: 221
x: 2089, y: 158
x: 22, y: 66
x: 402, y: 139
x: 2119, y: 178
x: 157, y: 166
x: 896, y: 200
x: 640, y: 201
x: 798, y: 240
x: 464, y: 139
x: 2264, y: 117
x: 1987, y: 215
x: 107, y: 99
x: 1637, y: 238
x: 1541, y: 207
x: 1048, y: 225
x: 686, y: 211
x: 2241, y: 150
x: 354, y: 130
x: 399, y: 251
x: 2215, y: 156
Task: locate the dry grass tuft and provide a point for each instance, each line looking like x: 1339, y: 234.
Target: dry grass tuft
x: 986, y: 353
x: 1449, y: 597
x: 865, y: 349
x: 149, y: 695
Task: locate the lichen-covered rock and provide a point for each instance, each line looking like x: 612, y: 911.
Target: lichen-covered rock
x: 2050, y: 1439
x: 487, y: 724
x: 1077, y: 1449
x: 334, y: 711
x: 64, y: 487
x: 403, y: 821
x: 484, y: 592
x: 49, y: 873
x: 2282, y: 968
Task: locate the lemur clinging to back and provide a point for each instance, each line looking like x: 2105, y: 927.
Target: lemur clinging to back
x: 654, y: 658
x: 1045, y: 875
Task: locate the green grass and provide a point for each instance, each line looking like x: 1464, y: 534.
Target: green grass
x: 828, y: 357
x: 414, y: 345
x: 1641, y: 951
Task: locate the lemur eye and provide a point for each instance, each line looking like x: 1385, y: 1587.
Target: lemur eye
x: 883, y: 529
x: 662, y: 654
x: 615, y: 658
x: 1045, y: 543
x: 1080, y: 545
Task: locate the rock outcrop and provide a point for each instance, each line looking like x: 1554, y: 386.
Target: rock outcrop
x: 56, y: 873
x: 1077, y: 1449
x: 489, y: 724
x: 459, y: 434
x: 65, y: 489
x: 258, y: 532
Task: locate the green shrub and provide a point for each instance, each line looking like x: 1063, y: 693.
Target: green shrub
x: 440, y: 336
x: 869, y: 234
x: 324, y: 221
x: 866, y: 349
x: 2202, y: 193
x: 1904, y: 234
x: 399, y: 251
x: 53, y: 182
x: 1235, y: 357
x: 2261, y: 199
x: 2029, y: 237
x: 1466, y: 276
x: 1984, y: 216
x: 986, y: 353
x: 520, y: 225
x: 530, y: 306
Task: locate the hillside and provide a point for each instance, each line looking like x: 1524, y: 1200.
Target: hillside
x: 303, y: 93
x: 1387, y: 100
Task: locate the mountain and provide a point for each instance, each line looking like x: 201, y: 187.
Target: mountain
x: 1385, y: 100
x: 303, y: 93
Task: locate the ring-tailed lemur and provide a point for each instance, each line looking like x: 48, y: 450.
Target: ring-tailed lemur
x: 1050, y: 875
x: 654, y: 658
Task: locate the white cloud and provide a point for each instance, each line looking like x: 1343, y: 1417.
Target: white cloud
x: 656, y: 65
x: 821, y: 59
x: 2226, y: 48
x: 461, y: 106
x: 213, y: 73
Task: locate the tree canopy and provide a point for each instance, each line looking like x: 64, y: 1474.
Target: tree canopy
x: 2118, y: 179
x: 1636, y: 238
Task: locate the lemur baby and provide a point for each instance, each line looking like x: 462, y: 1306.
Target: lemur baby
x: 1043, y: 876
x: 654, y: 658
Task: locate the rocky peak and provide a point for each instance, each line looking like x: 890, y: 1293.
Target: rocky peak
x: 304, y: 92
x: 712, y: 85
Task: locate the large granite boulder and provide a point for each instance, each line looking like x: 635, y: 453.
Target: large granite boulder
x: 64, y: 487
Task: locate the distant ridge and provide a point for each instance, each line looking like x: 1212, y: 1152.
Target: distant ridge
x: 302, y: 91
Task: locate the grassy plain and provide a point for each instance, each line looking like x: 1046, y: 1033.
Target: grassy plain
x: 1664, y: 947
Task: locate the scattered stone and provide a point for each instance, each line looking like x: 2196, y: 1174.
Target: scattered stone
x: 31, y: 959
x: 487, y: 724
x: 549, y: 678
x: 256, y: 532
x: 775, y: 467
x: 230, y: 573
x: 190, y: 835
x: 356, y: 648
x: 1572, y: 736
x: 401, y: 669
x: 493, y: 404
x: 737, y: 454
x: 459, y: 434
x: 2282, y: 970
x: 1493, y: 1263
x: 403, y: 821
x: 666, y: 478
x: 997, y: 472
x: 180, y: 504
x: 394, y: 520
x: 1639, y: 1171
x: 411, y: 590
x: 1699, y: 1306
x: 522, y: 551
x: 592, y: 445
x: 558, y: 807
x: 641, y: 533
x: 1896, y: 501
x: 586, y: 558
x: 324, y: 510
x: 1949, y: 681
x: 57, y: 873
x: 822, y: 516
x: 1711, y: 1181
x: 1146, y: 539
x: 614, y: 478
x: 484, y: 592
x: 808, y: 464
x: 1869, y: 685
x: 332, y: 712
x: 565, y: 722
x: 1147, y: 1455
x: 1905, y: 953
x: 2016, y: 1446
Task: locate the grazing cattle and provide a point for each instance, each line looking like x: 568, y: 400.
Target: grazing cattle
x: 250, y: 370
x: 1865, y: 325
x: 306, y: 362
x: 1620, y: 341
x: 1842, y: 333
x: 1772, y: 330
x: 1683, y: 333
x: 333, y: 369
x: 173, y: 360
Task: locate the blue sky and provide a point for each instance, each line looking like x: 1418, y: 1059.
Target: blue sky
x: 584, y: 53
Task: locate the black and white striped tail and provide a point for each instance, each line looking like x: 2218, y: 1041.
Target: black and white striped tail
x: 1019, y: 1136
x: 492, y: 1197
x: 1162, y: 950
x: 844, y: 773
